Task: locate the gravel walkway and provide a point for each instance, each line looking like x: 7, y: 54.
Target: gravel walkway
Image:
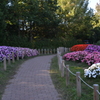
x: 32, y: 81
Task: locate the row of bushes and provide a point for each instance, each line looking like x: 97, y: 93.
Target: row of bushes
x: 16, y: 41
x: 19, y: 41
x: 89, y: 55
x: 56, y: 42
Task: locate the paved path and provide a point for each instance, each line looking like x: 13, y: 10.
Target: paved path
x: 32, y: 81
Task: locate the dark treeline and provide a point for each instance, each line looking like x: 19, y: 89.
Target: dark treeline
x: 27, y: 22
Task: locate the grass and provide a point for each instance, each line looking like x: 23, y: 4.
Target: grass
x: 69, y: 92
x: 5, y: 76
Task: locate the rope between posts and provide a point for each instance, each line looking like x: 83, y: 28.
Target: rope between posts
x: 71, y: 72
x: 98, y: 92
x: 64, y: 65
x: 80, y: 78
x: 85, y: 83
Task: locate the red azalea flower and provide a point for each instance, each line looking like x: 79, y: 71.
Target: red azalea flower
x: 79, y: 47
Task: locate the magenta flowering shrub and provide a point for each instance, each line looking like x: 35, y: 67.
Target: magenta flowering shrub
x: 92, y: 58
x: 78, y: 55
x: 90, y: 55
x: 83, y: 56
x: 7, y: 51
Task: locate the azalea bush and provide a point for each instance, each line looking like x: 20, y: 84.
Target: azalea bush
x: 91, y: 48
x: 90, y: 55
x: 93, y: 71
x: 7, y: 51
x: 92, y: 58
x: 75, y: 56
x: 83, y: 56
x: 79, y: 47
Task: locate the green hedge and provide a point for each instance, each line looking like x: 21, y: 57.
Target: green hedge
x: 55, y: 42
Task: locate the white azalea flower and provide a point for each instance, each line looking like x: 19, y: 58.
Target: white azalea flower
x: 92, y: 71
x: 97, y: 70
x: 98, y: 64
x: 94, y: 76
x: 86, y: 70
x: 89, y: 75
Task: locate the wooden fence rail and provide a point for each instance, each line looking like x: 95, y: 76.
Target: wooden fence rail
x: 9, y: 59
x: 62, y: 66
x: 52, y: 51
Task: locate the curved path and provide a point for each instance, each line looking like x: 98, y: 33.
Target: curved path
x: 32, y: 81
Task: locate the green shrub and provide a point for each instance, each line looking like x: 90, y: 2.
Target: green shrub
x: 56, y: 42
x: 98, y: 42
x: 18, y: 42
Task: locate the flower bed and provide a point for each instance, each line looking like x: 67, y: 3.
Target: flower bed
x: 79, y: 47
x: 7, y: 50
x: 93, y: 71
x: 83, y: 56
x: 90, y: 55
x: 75, y: 56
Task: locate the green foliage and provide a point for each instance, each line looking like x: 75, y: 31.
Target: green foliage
x: 18, y: 42
x: 44, y: 19
x: 98, y: 42
x: 96, y: 34
x: 56, y: 42
x: 76, y: 18
x: 2, y: 19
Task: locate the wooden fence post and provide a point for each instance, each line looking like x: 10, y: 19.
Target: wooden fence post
x: 44, y: 51
x: 9, y: 60
x: 66, y: 49
x: 60, y: 62
x: 78, y: 84
x: 50, y: 51
x: 61, y: 49
x: 95, y: 93
x: 25, y: 52
x: 17, y: 55
x: 67, y: 75
x: 47, y: 51
x: 41, y: 51
x: 4, y: 63
x: 57, y: 52
x: 13, y: 59
x: 62, y: 68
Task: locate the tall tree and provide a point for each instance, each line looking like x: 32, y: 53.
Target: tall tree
x: 3, y: 11
x: 76, y: 17
x: 96, y: 24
